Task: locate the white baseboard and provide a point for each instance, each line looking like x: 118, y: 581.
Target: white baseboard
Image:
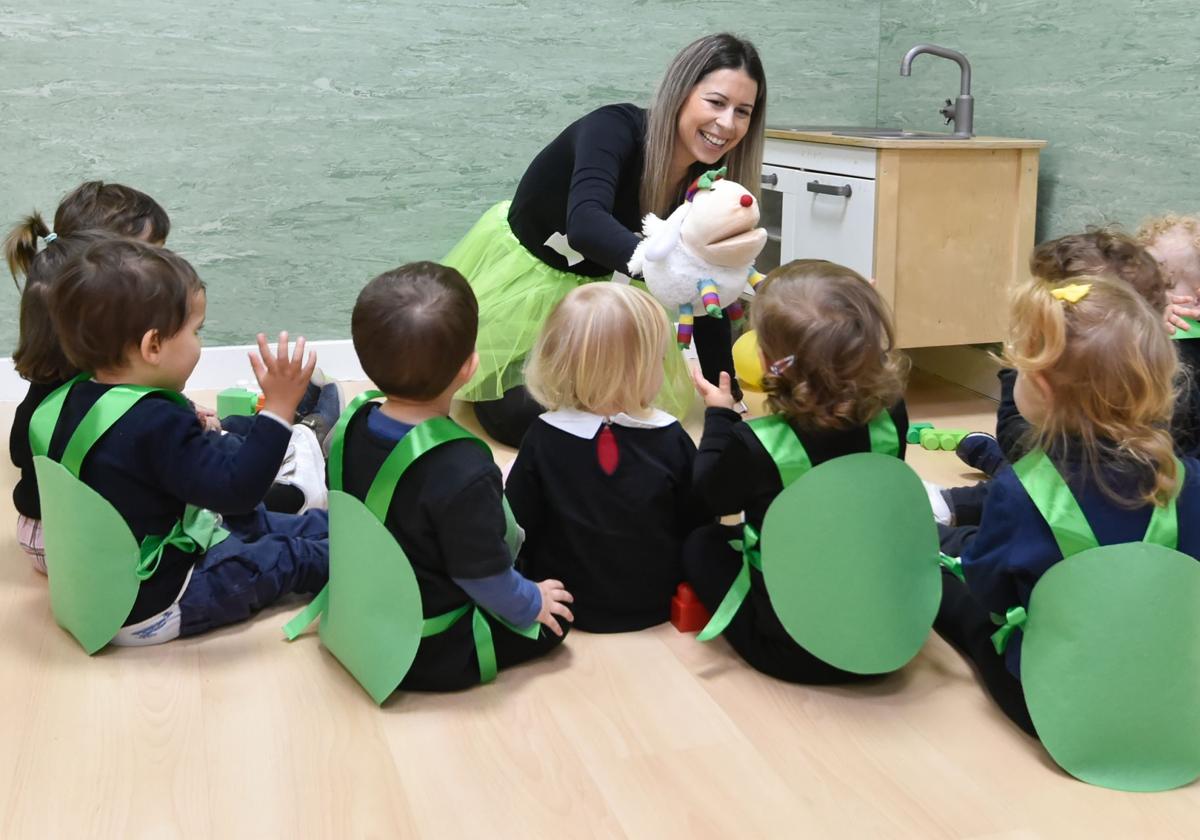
x: 221, y: 367
x: 970, y: 367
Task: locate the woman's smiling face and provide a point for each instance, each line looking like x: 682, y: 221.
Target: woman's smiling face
x: 715, y: 117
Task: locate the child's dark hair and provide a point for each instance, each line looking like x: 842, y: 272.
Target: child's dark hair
x: 1102, y: 251
x: 93, y: 205
x: 113, y: 293
x: 413, y: 327
x: 39, y: 356
x: 827, y: 334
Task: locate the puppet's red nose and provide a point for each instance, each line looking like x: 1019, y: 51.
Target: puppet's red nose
x: 747, y: 200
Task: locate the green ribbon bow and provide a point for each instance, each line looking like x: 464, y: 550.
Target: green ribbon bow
x: 953, y: 565
x: 1014, y: 619
x: 706, y: 181
x: 732, y: 602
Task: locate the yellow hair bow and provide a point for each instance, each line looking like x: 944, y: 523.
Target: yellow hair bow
x: 1072, y: 293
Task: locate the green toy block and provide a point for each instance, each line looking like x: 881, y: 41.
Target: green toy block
x: 914, y: 431
x: 236, y: 401
x: 1192, y: 332
x: 944, y: 439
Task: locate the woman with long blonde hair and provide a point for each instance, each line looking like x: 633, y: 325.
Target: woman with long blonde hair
x: 577, y: 209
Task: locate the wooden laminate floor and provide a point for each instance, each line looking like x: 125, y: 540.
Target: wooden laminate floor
x: 645, y: 735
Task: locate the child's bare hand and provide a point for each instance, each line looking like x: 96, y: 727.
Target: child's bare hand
x: 1179, y: 308
x: 714, y: 396
x: 208, y: 419
x: 554, y: 602
x: 283, y: 377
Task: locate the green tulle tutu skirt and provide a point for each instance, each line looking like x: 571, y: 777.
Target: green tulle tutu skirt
x: 516, y: 293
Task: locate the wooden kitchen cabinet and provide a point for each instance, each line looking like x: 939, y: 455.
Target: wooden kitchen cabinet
x: 944, y: 226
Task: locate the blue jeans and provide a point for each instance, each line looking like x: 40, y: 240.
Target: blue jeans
x: 266, y: 556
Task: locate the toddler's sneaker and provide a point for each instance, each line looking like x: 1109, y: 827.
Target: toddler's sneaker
x: 325, y: 411
x: 312, y: 393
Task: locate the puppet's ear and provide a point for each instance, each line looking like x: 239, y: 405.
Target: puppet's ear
x: 667, y: 236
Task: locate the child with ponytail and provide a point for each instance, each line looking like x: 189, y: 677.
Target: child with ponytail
x: 94, y: 210
x: 1096, y: 379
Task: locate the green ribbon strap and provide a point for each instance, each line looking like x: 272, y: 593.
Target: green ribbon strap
x: 308, y: 615
x: 199, y: 529
x: 1164, y: 521
x: 791, y: 459
x: 779, y: 439
x: 952, y: 564
x: 420, y: 440
x: 885, y: 437
x: 1014, y: 618
x: 485, y: 650
x: 337, y: 437
x: 732, y: 602
x: 1057, y: 504
x: 105, y: 412
x: 45, y: 416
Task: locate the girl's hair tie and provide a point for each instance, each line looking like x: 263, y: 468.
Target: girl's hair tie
x: 1072, y: 293
x: 50, y: 237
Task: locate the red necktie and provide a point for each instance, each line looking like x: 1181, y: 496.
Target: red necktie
x: 606, y: 450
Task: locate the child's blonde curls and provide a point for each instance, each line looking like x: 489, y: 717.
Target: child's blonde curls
x: 1111, y: 372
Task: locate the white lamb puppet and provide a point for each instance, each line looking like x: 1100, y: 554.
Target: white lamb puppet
x: 704, y: 252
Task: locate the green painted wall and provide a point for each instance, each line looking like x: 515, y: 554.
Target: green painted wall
x: 1114, y: 85
x: 303, y: 147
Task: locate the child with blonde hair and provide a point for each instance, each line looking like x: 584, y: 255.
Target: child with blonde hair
x: 1096, y: 376
x: 1174, y: 241
x: 602, y: 481
x: 1115, y: 254
x: 836, y: 379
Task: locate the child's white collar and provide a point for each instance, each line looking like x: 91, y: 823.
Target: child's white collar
x: 584, y: 424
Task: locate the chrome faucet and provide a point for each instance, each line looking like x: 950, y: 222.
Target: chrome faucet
x: 962, y: 110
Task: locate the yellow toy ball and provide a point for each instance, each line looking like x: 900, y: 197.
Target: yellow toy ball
x: 747, y: 363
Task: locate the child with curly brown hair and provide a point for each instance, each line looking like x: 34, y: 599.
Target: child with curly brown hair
x: 836, y: 378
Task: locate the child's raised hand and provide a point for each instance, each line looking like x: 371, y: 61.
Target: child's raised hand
x: 714, y: 396
x: 554, y: 602
x: 283, y: 377
x: 1180, y: 307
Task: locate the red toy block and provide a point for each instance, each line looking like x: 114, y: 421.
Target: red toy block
x: 687, y: 613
